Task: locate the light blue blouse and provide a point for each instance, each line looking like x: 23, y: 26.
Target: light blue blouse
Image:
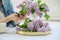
x: 1, y: 9
x: 8, y: 9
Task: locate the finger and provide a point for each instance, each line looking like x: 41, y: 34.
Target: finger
x: 18, y: 15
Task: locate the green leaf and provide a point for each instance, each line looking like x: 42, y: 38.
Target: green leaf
x: 32, y: 0
x: 18, y: 25
x: 46, y: 16
x: 24, y: 25
x: 39, y: 2
x: 27, y: 20
x: 32, y: 10
x: 25, y: 30
x: 42, y: 7
x: 23, y: 11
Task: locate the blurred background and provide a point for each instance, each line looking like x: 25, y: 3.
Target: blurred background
x: 54, y: 6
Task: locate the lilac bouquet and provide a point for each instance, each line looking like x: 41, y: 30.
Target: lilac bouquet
x: 33, y: 7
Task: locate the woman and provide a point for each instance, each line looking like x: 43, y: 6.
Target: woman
x: 7, y: 9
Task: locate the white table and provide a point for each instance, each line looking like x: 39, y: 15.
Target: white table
x: 11, y: 35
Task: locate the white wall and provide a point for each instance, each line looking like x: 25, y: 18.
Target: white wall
x: 54, y: 6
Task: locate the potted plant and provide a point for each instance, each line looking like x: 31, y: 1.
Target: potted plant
x: 36, y: 25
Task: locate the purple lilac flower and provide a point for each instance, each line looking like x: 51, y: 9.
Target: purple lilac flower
x: 40, y: 14
x: 28, y: 6
x: 46, y: 24
x: 47, y: 28
x: 41, y: 29
x: 19, y: 5
x: 37, y: 26
x: 20, y: 29
x: 37, y: 22
x: 46, y: 9
x: 28, y: 11
x: 36, y: 8
x: 35, y: 5
x: 30, y: 26
x: 27, y: 1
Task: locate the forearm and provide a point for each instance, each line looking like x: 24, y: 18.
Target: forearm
x: 5, y: 20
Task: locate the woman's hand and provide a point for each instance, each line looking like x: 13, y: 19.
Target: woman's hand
x: 16, y: 17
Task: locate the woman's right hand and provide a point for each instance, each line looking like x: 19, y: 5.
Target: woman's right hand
x: 16, y: 17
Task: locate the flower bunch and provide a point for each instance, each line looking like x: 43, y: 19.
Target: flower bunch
x: 33, y: 6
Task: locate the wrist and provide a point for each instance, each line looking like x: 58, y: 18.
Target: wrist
x: 8, y: 18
